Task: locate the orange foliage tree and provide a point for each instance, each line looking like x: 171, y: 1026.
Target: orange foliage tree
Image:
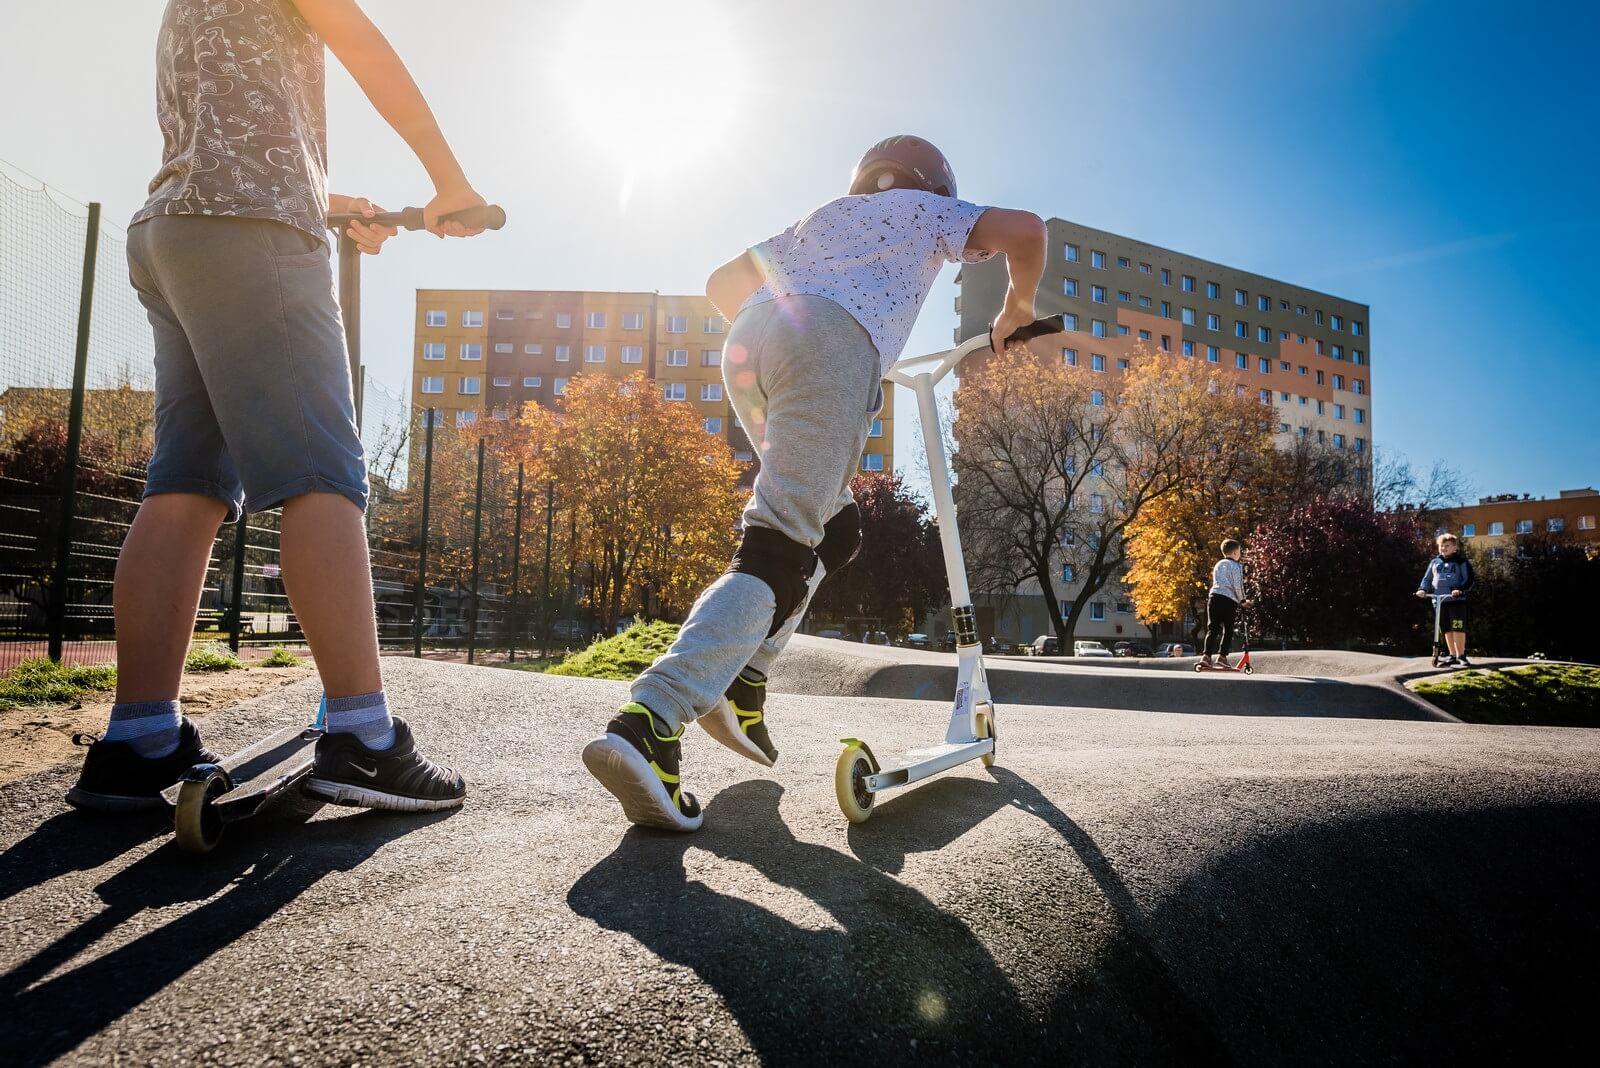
x: 650, y: 500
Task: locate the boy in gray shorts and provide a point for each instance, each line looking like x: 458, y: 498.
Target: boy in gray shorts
x: 819, y: 313
x: 254, y: 407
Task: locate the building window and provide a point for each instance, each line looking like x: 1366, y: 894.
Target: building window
x: 678, y: 358
x: 1241, y: 361
x: 1338, y: 381
x: 1357, y: 357
x: 1144, y: 335
x: 563, y: 353
x: 1187, y: 316
x: 1166, y: 309
x: 676, y: 391
x: 533, y: 349
x: 1097, y: 363
x: 1320, y: 351
x: 1069, y: 357
x: 1284, y: 396
x: 1097, y: 398
x: 1586, y: 522
x: 1122, y: 331
x: 1302, y: 400
x: 1188, y: 348
x: 710, y: 357
x: 1097, y: 294
x: 1067, y: 574
x: 595, y: 320
x: 1166, y: 342
x: 1357, y: 327
x: 711, y: 391
x: 1283, y: 428
x: 1241, y: 328
x: 1496, y: 529
x: 1213, y: 321
x: 1320, y: 408
x: 472, y: 318
x: 1144, y: 302
x: 594, y: 354
x: 1360, y: 444
x: 1240, y: 297
x: 437, y: 317
x: 504, y: 313
x: 470, y: 350
x: 1123, y: 363
x: 1144, y: 268
x: 1124, y: 296
x: 433, y: 383
x: 744, y: 456
x: 1213, y: 354
x: 1122, y: 261
x: 1303, y: 370
x: 1264, y: 396
x: 471, y: 386
x: 677, y: 324
x: 1469, y: 530
x: 1524, y: 526
x: 1283, y: 335
x: 1319, y: 379
x: 1263, y: 303
x: 1283, y: 365
x: 1097, y: 611
x: 872, y: 461
x: 1070, y: 321
x: 1263, y: 365
x: 1071, y: 253
x: 563, y: 321
x: 1263, y: 334
x: 466, y: 419
x: 502, y: 346
x: 1166, y: 277
x: 1069, y: 286
x: 632, y: 354
x: 1318, y: 317
x: 532, y: 382
x: 712, y: 425
x: 433, y: 350
x: 502, y: 414
x: 1338, y: 441
x: 1338, y: 352
x: 876, y: 429
x: 1097, y: 504
x: 1555, y: 524
x: 1335, y: 322
x: 502, y: 381
x: 1361, y: 415
x: 1097, y: 327
x: 633, y: 320
x: 1338, y: 411
x: 1097, y: 260
x: 560, y: 387
x: 533, y: 313
x: 714, y: 324
x: 1213, y: 291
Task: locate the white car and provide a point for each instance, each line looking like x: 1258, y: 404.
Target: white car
x: 1089, y: 648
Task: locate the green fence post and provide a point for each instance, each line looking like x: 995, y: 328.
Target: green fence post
x: 516, y: 571
x: 477, y: 540
x: 239, y: 529
x: 422, y: 555
x: 62, y: 574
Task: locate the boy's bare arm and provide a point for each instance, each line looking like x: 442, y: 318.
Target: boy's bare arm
x: 371, y: 60
x: 1021, y: 236
x: 731, y: 284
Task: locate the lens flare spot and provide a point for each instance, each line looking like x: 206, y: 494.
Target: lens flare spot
x: 931, y: 1006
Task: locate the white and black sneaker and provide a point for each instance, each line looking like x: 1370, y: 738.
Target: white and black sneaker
x: 738, y: 721
x: 639, y: 765
x: 398, y: 778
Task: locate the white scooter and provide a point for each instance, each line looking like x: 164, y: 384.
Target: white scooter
x: 858, y: 777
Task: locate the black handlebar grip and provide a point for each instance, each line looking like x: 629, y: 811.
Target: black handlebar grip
x: 483, y: 217
x: 1053, y: 324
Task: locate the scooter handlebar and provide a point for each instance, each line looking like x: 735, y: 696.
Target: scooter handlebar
x: 484, y: 217
x: 1050, y: 324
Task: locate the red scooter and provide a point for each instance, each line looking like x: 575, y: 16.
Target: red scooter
x: 1243, y: 665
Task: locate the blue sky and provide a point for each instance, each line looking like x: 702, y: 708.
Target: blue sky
x: 1434, y: 160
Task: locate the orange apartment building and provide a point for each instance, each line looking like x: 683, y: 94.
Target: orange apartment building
x: 1495, y: 523
x: 484, y: 354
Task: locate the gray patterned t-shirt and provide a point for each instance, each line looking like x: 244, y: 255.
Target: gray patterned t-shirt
x: 876, y: 256
x: 239, y: 94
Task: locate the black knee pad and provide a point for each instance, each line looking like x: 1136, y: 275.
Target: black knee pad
x: 841, y: 538
x: 782, y: 563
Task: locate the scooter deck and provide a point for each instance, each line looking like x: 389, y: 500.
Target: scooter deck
x: 262, y: 772
x: 919, y: 764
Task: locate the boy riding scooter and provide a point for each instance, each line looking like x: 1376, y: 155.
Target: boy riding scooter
x: 1449, y: 577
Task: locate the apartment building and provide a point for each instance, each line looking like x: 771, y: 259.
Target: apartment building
x: 484, y: 354
x: 1494, y: 524
x: 1306, y: 353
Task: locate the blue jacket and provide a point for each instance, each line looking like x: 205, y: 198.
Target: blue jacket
x: 1444, y: 576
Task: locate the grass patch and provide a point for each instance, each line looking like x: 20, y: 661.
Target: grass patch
x: 42, y: 681
x: 1552, y: 695
x: 534, y: 663
x: 621, y: 657
x: 211, y: 656
x: 282, y: 657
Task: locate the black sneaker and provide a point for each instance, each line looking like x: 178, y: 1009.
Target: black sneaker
x: 398, y: 778
x: 1464, y: 662
x: 639, y: 765
x: 115, y: 778
x: 737, y: 720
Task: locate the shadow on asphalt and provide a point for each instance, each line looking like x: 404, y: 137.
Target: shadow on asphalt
x: 256, y: 870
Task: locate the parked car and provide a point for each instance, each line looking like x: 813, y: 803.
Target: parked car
x: 1046, y: 645
x: 1089, y: 647
x: 1175, y: 649
x: 876, y: 637
x: 1132, y: 649
x: 995, y: 645
x: 831, y: 632
x: 918, y: 641
x: 568, y: 630
x: 949, y: 641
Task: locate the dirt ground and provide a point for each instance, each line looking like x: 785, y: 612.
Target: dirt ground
x: 39, y: 736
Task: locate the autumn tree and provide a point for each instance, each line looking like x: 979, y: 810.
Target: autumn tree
x: 652, y: 498
x: 898, y: 576
x: 1054, y: 462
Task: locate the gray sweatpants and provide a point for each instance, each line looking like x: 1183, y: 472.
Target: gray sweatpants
x: 802, y: 376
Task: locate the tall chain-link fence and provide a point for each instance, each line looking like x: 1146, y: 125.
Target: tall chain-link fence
x: 455, y: 551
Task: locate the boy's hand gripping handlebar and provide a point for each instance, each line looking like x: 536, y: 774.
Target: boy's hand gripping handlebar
x: 945, y: 362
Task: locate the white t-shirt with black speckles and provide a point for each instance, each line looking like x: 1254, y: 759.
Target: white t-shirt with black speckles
x: 876, y: 256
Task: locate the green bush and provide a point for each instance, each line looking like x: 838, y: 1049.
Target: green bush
x: 621, y: 657
x: 282, y: 657
x: 41, y: 681
x: 1556, y: 695
x: 210, y: 656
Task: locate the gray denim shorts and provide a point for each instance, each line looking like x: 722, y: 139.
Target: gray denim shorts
x: 253, y: 396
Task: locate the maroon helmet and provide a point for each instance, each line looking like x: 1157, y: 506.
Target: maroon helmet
x: 905, y: 162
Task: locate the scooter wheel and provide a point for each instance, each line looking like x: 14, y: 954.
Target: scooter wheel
x: 1248, y: 670
x: 849, y: 783
x: 1198, y: 668
x: 195, y: 823
x: 986, y: 730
